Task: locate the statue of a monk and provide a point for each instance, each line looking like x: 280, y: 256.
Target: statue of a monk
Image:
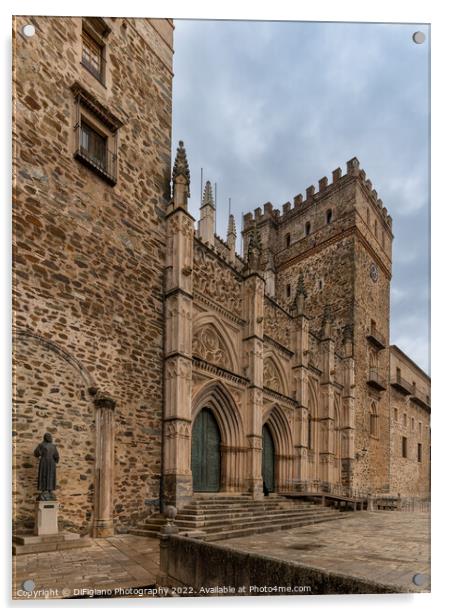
x: 48, y: 458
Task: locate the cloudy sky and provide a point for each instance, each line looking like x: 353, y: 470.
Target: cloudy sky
x: 268, y: 108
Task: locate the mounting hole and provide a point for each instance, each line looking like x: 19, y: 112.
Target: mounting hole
x: 419, y: 37
x: 28, y: 30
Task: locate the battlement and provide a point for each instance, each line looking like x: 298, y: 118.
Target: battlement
x: 325, y: 189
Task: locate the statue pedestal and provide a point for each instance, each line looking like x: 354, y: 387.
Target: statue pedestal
x: 46, y: 520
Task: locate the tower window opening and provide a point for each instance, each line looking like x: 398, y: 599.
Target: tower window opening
x: 328, y: 217
x: 287, y: 240
x: 307, y: 228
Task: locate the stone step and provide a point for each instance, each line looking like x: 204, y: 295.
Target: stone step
x: 229, y: 534
x: 226, y: 519
x: 215, y: 525
x: 235, y: 513
x: 50, y: 545
x: 232, y: 507
x: 257, y: 527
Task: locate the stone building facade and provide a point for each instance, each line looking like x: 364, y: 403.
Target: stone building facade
x: 163, y: 362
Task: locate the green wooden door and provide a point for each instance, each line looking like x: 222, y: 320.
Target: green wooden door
x: 267, y: 459
x: 205, y: 453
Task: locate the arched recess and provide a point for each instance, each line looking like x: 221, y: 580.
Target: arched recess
x: 277, y: 422
x: 51, y: 395
x: 274, y: 375
x: 215, y: 397
x: 213, y: 342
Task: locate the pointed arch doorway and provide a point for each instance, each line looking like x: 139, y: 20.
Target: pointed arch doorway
x: 268, y: 470
x: 206, y: 456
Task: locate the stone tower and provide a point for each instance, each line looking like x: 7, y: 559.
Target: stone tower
x: 337, y: 242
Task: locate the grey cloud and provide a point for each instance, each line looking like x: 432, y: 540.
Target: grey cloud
x: 269, y: 108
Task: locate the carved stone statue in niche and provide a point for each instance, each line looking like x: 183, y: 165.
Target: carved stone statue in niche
x: 48, y: 458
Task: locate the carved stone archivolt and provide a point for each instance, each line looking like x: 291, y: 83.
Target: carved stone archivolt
x: 216, y: 281
x: 208, y: 344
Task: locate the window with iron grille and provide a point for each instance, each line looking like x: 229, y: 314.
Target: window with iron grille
x: 419, y: 452
x: 93, y: 145
x: 96, y: 135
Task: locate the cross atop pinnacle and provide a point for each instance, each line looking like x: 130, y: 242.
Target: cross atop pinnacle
x: 181, y: 166
x: 208, y: 198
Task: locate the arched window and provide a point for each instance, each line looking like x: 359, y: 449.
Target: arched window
x: 307, y: 228
x: 287, y: 240
x: 328, y: 217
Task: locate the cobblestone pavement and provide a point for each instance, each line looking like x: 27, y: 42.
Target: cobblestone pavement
x: 123, y: 561
x: 384, y: 546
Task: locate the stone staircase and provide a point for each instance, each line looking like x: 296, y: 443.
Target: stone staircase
x: 222, y: 517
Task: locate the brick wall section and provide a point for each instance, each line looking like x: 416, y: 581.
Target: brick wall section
x: 88, y: 257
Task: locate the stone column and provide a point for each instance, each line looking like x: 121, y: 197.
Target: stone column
x: 102, y: 525
x: 177, y: 474
x: 327, y: 410
x: 348, y: 411
x: 253, y: 303
x: 300, y: 372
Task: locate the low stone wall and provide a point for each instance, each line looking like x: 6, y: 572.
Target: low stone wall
x: 199, y: 568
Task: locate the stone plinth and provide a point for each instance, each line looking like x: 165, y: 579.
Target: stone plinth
x: 34, y: 544
x: 46, y: 520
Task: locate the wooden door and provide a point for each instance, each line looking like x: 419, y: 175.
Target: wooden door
x: 206, y: 453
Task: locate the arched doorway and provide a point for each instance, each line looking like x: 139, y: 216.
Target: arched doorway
x: 268, y: 473
x: 206, y: 442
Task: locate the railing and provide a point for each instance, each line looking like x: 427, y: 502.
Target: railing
x: 421, y: 397
x: 375, y: 380
x: 402, y: 385
x: 106, y: 166
x: 376, y: 337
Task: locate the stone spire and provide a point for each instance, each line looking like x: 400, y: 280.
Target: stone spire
x: 208, y: 198
x: 181, y: 178
x: 326, y: 323
x: 301, y: 296
x: 206, y: 227
x: 231, y: 237
x: 231, y: 227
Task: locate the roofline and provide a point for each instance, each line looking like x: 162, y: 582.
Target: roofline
x: 399, y: 351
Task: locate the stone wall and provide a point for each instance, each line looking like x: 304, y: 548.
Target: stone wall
x: 410, y: 419
x: 89, y: 258
x: 200, y: 565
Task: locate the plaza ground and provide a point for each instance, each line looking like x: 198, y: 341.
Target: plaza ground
x: 384, y: 546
